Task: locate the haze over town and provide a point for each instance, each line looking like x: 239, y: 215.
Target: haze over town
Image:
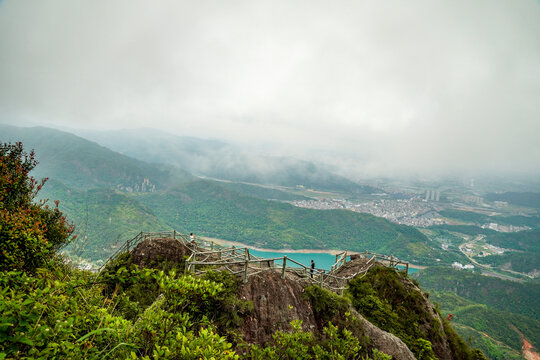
x: 375, y: 88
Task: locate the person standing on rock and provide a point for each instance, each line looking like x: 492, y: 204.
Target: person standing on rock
x: 192, y: 238
x: 312, y: 267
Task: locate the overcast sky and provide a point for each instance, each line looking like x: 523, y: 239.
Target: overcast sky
x: 381, y: 87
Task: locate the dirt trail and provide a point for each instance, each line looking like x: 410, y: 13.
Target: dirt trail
x: 528, y: 351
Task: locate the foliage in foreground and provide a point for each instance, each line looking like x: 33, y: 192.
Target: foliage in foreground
x: 30, y: 233
x: 60, y: 312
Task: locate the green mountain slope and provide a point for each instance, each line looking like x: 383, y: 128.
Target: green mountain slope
x: 210, y: 209
x: 490, y: 329
x: 80, y: 163
x: 517, y: 297
x: 523, y: 240
x: 262, y: 192
x: 102, y: 218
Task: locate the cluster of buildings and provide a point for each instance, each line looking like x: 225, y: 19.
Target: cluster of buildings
x: 145, y: 186
x: 459, y: 266
x: 413, y: 212
x: 504, y: 228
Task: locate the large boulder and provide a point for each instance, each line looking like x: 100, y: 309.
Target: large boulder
x: 155, y: 251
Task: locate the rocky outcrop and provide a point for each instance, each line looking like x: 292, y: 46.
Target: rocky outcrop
x: 276, y: 303
x: 431, y: 322
x: 439, y: 340
x: 384, y: 341
x: 153, y: 251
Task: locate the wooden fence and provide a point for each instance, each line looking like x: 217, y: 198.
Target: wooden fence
x: 208, y: 255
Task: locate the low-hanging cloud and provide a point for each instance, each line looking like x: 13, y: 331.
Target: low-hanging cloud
x: 386, y: 87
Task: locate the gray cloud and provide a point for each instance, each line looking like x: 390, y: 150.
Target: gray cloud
x: 381, y: 87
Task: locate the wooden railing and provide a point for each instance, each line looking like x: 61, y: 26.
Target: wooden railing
x: 207, y: 255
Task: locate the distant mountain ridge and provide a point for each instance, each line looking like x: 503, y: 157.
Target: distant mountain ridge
x: 217, y: 159
x: 84, y: 164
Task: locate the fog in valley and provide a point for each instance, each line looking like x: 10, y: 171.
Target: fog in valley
x: 370, y: 88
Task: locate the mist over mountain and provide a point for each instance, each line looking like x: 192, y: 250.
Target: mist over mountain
x: 221, y: 160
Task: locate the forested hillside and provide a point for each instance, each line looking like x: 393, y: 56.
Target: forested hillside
x: 82, y: 164
x: 476, y: 218
x: 102, y: 218
x: 517, y: 297
x: 495, y: 315
x: 212, y: 210
x: 498, y: 333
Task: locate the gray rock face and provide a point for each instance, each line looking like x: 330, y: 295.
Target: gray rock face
x: 276, y: 303
x: 156, y: 250
x: 279, y: 301
x: 384, y: 341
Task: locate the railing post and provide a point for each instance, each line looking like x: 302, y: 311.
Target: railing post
x: 246, y: 253
x: 337, y: 257
x: 219, y: 254
x: 174, y: 234
x: 321, y: 278
x: 233, y: 250
x: 345, y: 258
x: 284, y: 267
x: 212, y: 246
x: 407, y: 269
x: 245, y: 271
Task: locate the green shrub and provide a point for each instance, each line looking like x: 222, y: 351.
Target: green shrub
x: 54, y: 315
x: 29, y: 233
x: 335, y: 344
x: 384, y: 300
x: 327, y: 306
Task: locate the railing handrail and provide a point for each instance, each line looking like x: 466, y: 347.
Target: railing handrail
x: 242, y: 256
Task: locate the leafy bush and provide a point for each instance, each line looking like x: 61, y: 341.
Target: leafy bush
x: 327, y: 306
x: 298, y: 344
x: 29, y: 232
x: 52, y: 314
x: 384, y: 300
